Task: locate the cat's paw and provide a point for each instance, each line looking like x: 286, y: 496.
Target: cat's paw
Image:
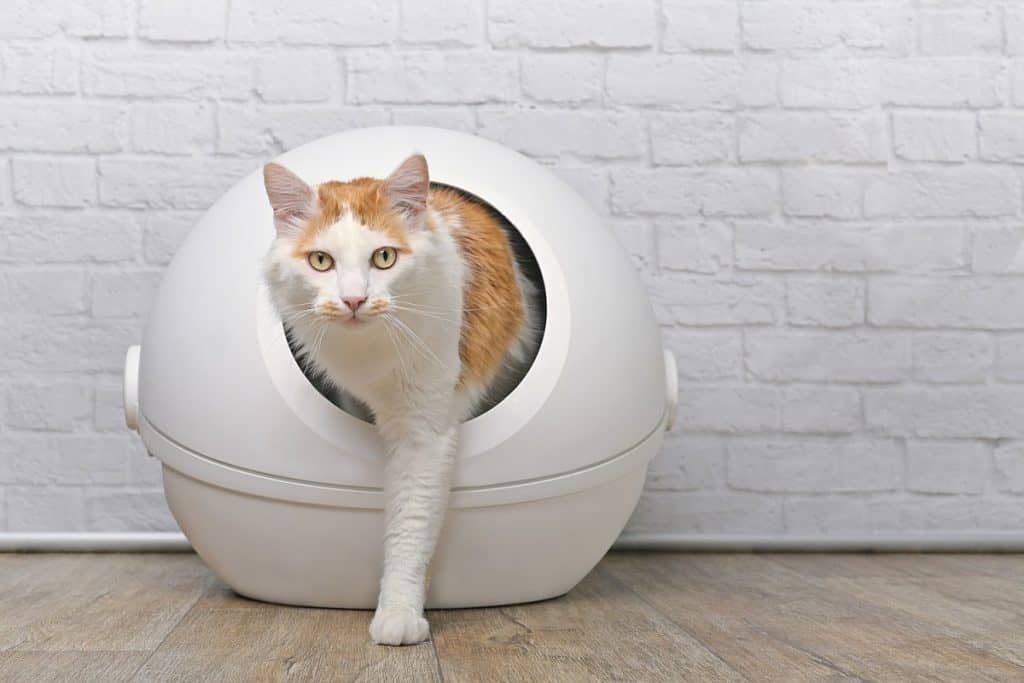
x: 398, y: 626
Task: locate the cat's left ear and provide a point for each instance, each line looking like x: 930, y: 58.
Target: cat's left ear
x: 407, y: 187
x: 293, y: 200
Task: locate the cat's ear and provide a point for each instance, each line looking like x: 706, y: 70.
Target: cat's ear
x: 407, y: 187
x: 294, y: 202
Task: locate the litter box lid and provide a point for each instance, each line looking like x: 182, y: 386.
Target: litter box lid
x: 216, y: 376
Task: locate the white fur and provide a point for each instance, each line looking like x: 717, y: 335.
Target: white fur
x: 403, y: 365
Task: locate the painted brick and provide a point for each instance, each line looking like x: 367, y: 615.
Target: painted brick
x: 952, y: 357
x: 946, y: 192
x: 816, y: 409
x: 46, y: 291
x: 108, y: 407
x: 39, y: 69
x: 696, y: 246
x: 458, y: 23
x: 692, y: 138
x: 563, y: 78
x: 68, y: 238
x: 445, y: 116
x: 810, y: 25
x: 997, y: 249
x: 706, y: 355
x: 948, y: 82
x: 688, y: 462
x: 831, y: 83
x: 49, y: 407
x: 168, y: 74
x: 961, y: 32
x: 699, y: 25
x: 821, y: 302
x: 826, y: 514
x: 703, y: 300
x: 51, y: 508
x: 712, y: 512
x: 931, y: 136
x: 1009, y: 364
x: 1001, y: 136
x: 34, y: 19
x: 165, y: 184
x: 297, y: 76
x: 118, y: 509
x: 987, y: 303
x: 735, y: 148
x: 264, y: 131
x: 850, y: 247
x: 717, y: 192
x: 856, y: 356
x: 187, y: 129
x: 946, y: 467
x: 806, y: 137
x: 822, y: 192
x: 66, y: 459
x: 72, y: 127
x: 1009, y: 467
x: 469, y: 78
x: 736, y: 408
x: 691, y: 82
x: 123, y: 293
x: 571, y: 23
x: 313, y: 22
x: 802, y: 466
x: 600, y: 135
x: 184, y: 20
x: 989, y: 412
x: 54, y: 182
x: 34, y: 344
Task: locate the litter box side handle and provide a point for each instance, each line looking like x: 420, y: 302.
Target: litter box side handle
x: 131, y: 387
x: 671, y: 389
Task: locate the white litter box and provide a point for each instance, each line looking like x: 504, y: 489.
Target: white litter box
x: 279, y: 491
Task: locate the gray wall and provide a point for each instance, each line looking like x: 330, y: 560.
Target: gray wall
x: 824, y: 199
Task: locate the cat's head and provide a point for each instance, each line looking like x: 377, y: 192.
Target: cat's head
x: 344, y: 249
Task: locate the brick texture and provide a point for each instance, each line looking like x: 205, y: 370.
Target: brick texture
x: 824, y: 200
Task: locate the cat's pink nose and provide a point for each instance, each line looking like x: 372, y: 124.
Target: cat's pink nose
x: 353, y: 302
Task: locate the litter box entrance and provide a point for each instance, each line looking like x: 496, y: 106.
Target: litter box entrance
x: 528, y: 266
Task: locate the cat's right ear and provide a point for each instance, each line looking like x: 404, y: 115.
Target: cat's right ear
x: 293, y: 201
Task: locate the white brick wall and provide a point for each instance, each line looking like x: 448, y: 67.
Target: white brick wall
x: 824, y: 198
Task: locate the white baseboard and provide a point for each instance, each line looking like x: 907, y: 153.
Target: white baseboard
x: 960, y: 542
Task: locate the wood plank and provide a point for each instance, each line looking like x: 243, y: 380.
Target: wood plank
x: 225, y: 637
x: 601, y: 630
x: 96, y: 602
x: 773, y: 611
x: 18, y: 666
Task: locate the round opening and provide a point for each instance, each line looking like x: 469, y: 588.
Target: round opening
x: 530, y: 271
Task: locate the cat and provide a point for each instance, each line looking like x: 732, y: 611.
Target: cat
x: 408, y: 296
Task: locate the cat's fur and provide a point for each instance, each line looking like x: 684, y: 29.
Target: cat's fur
x: 445, y: 332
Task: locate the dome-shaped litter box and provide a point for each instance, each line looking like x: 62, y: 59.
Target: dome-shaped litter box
x: 279, y: 491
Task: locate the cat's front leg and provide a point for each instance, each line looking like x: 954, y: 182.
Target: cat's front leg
x: 418, y: 475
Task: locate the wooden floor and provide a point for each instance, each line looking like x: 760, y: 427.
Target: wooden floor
x: 637, y: 617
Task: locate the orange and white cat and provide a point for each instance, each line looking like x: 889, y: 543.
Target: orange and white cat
x: 409, y: 298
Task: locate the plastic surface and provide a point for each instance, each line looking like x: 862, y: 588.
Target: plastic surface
x: 280, y: 491
x: 215, y: 352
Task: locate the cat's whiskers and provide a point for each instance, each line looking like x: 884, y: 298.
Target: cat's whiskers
x: 416, y: 342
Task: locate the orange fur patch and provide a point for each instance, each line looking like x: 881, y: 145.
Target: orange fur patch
x: 493, y: 308
x: 368, y: 202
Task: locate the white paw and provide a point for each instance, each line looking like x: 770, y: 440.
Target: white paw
x: 398, y: 626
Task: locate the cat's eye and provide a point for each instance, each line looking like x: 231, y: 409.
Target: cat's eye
x: 384, y: 257
x: 320, y: 260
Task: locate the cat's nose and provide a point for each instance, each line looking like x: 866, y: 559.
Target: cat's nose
x: 353, y: 302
